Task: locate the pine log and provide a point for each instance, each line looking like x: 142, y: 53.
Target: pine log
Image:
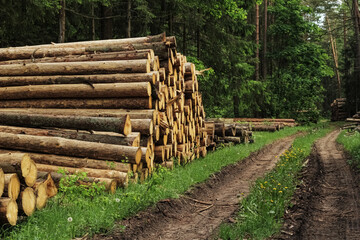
x: 126, y: 103
x: 119, y: 124
x: 28, y: 201
x: 106, y: 90
x: 236, y: 140
x: 68, y: 147
x: 151, y: 77
x: 46, y: 178
x: 110, y: 184
x: 126, y: 55
x: 121, y: 177
x: 133, y: 139
x: 8, y: 211
x: 220, y: 129
x: 134, y: 114
x: 12, y: 186
x: 230, y: 130
x: 266, y: 128
x: 144, y: 126
x: 69, y: 68
x: 2, y: 182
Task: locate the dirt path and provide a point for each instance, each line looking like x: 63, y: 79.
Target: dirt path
x: 328, y: 204
x: 204, y: 208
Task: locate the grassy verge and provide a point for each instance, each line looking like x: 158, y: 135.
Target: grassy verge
x: 260, y: 214
x: 68, y: 216
x: 351, y: 142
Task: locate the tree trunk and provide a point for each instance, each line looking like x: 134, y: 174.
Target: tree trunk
x: 151, y: 77
x: 113, y: 103
x: 8, y: 211
x: 110, y: 56
x: 357, y: 58
x: 121, y: 177
x: 93, y: 27
x: 335, y: 58
x: 106, y: 23
x: 128, y: 18
x: 68, y: 147
x: 264, y: 60
x: 62, y: 22
x: 115, y: 113
x: 119, y: 125
x: 257, y: 38
x: 69, y: 68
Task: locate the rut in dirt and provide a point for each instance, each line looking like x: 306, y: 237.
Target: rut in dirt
x: 199, y: 213
x: 329, y: 206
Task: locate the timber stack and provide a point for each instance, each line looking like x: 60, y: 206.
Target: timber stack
x: 133, y: 103
x: 224, y: 131
x: 338, y: 110
x: 353, y: 123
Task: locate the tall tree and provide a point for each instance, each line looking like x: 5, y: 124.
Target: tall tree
x: 62, y: 21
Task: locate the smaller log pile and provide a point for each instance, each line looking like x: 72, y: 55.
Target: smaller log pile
x: 354, y: 123
x: 338, y: 111
x: 221, y: 132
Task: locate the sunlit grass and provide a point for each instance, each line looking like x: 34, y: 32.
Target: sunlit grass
x: 351, y: 142
x: 260, y: 213
x: 99, y: 214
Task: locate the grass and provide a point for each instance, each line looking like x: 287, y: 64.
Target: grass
x: 261, y: 212
x: 68, y: 216
x: 351, y: 142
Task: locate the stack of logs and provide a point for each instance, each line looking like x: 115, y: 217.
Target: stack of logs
x: 107, y: 108
x: 338, y: 111
x: 353, y: 123
x: 224, y: 132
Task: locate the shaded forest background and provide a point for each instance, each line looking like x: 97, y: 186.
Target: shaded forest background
x: 268, y: 58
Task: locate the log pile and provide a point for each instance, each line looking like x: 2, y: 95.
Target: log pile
x: 107, y: 108
x: 353, y: 123
x: 338, y: 110
x: 224, y: 132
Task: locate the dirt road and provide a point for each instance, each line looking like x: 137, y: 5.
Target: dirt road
x: 328, y: 203
x: 204, y: 208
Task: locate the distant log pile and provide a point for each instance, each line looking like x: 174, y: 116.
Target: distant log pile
x: 107, y: 108
x: 338, y: 111
x: 353, y: 123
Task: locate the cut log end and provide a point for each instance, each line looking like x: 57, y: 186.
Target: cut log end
x: 138, y: 156
x: 28, y: 201
x: 12, y: 183
x: 127, y: 126
x: 30, y: 178
x: 2, y: 182
x: 41, y: 196
x: 12, y: 212
x: 25, y: 164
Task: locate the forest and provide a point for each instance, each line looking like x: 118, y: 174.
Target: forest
x: 259, y: 58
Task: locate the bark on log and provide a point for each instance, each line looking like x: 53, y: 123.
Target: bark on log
x: 127, y: 55
x: 220, y: 129
x: 106, y: 90
x: 151, y: 77
x: 68, y: 147
x: 126, y: 103
x: 28, y: 201
x: 35, y: 69
x: 2, y: 182
x: 264, y: 128
x: 121, y: 177
x: 120, y: 124
x: 144, y: 126
x: 8, y: 211
x: 230, y: 130
x: 12, y: 186
x: 134, y: 114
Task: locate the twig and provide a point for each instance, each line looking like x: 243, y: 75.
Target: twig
x: 204, y: 209
x: 198, y: 201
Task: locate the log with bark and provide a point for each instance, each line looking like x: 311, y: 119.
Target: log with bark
x: 99, y: 90
x: 106, y: 103
x: 69, y: 147
x: 71, y: 68
x: 8, y: 81
x: 119, y: 124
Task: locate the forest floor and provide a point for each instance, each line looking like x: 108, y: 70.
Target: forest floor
x: 199, y: 213
x: 327, y: 204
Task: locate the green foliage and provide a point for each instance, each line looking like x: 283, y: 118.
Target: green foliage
x: 261, y: 212
x: 351, y: 142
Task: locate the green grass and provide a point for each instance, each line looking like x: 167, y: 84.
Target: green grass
x: 351, y: 142
x: 69, y: 216
x: 261, y: 212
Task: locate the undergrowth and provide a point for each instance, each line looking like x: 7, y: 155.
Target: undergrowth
x: 351, y: 142
x: 260, y: 214
x: 64, y: 219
